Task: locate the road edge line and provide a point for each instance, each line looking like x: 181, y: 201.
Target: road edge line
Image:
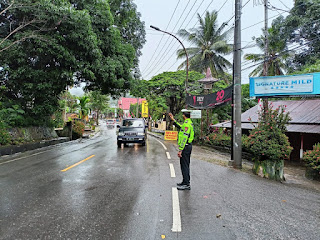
x: 176, y: 217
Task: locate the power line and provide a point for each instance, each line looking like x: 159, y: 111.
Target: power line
x: 195, y: 13
x: 271, y: 7
x: 284, y: 4
x: 172, y: 40
x: 163, y: 34
x: 193, y: 27
x: 168, y: 39
x: 184, y: 39
x: 283, y: 52
x: 271, y: 17
x: 233, y: 17
x: 298, y: 45
x: 223, y: 5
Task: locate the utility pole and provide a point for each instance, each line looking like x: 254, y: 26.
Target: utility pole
x: 266, y: 43
x: 236, y: 124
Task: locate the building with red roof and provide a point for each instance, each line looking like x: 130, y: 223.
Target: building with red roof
x: 124, y: 103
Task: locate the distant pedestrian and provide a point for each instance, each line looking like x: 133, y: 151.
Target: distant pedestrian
x: 185, y: 138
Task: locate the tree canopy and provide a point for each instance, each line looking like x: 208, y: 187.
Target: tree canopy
x: 277, y: 51
x: 166, y: 90
x: 210, y: 46
x: 303, y: 28
x: 294, y: 43
x: 47, y: 45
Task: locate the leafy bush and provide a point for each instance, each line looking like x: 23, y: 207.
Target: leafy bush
x: 5, y: 137
x: 77, y: 129
x: 268, y: 140
x: 218, y: 138
x: 12, y: 115
x: 312, y: 157
x: 267, y: 145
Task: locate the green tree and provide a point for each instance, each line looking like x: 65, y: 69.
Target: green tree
x: 98, y: 103
x: 309, y: 68
x: 75, y: 41
x: 210, y: 46
x: 70, y: 101
x: 133, y: 110
x: 277, y: 51
x: 35, y: 71
x: 119, y: 113
x: 132, y: 29
x: 246, y: 102
x: 171, y: 87
x: 303, y: 27
x: 112, y: 72
x: 83, y: 106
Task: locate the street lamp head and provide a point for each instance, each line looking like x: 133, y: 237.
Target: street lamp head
x: 155, y: 28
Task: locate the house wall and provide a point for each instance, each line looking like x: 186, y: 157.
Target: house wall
x: 309, y: 139
x: 295, y: 142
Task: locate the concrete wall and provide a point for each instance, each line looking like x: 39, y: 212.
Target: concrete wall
x: 32, y: 133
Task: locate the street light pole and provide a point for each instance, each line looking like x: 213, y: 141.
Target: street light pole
x: 158, y: 29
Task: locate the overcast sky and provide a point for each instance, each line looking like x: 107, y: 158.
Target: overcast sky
x: 159, y: 52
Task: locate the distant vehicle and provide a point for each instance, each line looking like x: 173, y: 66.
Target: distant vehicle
x: 132, y: 130
x: 110, y: 123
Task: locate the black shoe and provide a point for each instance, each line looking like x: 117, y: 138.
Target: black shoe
x: 182, y: 183
x: 184, y: 187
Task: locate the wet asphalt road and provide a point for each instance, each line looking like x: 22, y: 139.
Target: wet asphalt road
x: 127, y: 194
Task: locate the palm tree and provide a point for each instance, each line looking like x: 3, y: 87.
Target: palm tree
x: 277, y: 52
x: 84, y: 109
x: 210, y: 46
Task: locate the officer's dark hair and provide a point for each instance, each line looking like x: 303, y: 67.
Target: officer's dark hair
x: 187, y: 114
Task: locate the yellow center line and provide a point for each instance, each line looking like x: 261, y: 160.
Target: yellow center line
x: 76, y: 164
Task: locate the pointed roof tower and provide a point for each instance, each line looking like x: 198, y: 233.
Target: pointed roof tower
x: 208, y: 80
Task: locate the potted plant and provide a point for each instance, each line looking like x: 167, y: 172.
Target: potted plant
x: 312, y: 160
x: 268, y: 143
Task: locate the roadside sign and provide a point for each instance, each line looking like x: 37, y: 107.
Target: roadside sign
x: 145, y: 109
x: 195, y: 114
x: 171, y: 135
x: 286, y: 85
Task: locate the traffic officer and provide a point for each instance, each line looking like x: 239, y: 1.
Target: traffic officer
x: 185, y: 138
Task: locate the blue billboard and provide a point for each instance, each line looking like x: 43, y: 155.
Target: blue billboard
x: 285, y: 85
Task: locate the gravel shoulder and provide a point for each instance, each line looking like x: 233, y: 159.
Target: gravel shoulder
x: 294, y: 174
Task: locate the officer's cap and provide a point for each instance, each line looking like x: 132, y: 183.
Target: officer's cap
x: 186, y: 111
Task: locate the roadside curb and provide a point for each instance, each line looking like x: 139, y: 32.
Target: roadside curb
x: 156, y: 135
x: 12, y: 149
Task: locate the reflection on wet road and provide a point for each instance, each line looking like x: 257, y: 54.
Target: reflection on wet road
x: 90, y: 189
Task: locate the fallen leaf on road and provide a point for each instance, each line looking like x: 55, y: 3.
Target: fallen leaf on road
x: 163, y: 236
x: 218, y: 215
x: 284, y: 200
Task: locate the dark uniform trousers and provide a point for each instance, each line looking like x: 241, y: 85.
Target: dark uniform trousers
x: 185, y: 163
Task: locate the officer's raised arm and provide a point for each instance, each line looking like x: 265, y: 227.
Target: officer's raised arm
x: 175, y: 122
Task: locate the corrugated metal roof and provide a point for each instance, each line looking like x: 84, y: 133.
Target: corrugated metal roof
x: 305, y: 116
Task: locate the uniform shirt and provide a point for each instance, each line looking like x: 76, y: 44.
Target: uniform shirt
x: 186, y: 133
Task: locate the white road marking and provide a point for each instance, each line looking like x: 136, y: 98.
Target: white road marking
x: 16, y: 159
x: 168, y: 155
x: 165, y: 148
x: 172, y: 172
x: 176, y: 223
